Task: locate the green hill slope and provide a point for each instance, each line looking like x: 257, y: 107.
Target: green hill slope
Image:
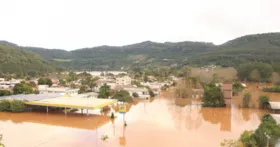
x: 109, y: 57
x: 14, y: 59
x: 250, y: 48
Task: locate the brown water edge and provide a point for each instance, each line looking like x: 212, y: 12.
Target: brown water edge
x: 163, y: 121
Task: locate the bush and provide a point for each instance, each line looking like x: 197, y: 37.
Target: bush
x: 123, y: 96
x: 272, y: 89
x: 17, y: 105
x: 152, y: 94
x: 258, y: 137
x: 247, y: 139
x: 4, y: 105
x: 246, y: 100
x: 5, y: 92
x: 135, y: 94
x: 213, y: 96
x: 237, y: 87
x: 263, y: 101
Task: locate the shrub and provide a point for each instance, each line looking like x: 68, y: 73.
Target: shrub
x: 213, y: 96
x: 4, y: 105
x: 247, y: 139
x: 123, y: 96
x: 263, y: 101
x: 237, y: 87
x: 152, y: 94
x: 246, y: 100
x: 17, y: 105
x: 258, y: 137
x: 272, y: 89
x: 135, y: 94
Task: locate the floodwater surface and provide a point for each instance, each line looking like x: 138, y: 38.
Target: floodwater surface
x: 163, y: 122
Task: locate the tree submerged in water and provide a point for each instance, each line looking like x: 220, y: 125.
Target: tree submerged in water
x: 230, y: 143
x: 105, y: 137
x: 213, y: 96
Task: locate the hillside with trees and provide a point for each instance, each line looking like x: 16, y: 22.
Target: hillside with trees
x: 251, y: 48
x: 111, y: 57
x: 14, y: 59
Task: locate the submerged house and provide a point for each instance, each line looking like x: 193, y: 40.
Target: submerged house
x: 227, y: 92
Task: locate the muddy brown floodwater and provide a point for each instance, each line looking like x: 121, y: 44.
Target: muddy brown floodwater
x: 160, y: 122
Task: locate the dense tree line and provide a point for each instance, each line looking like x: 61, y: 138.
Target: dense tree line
x: 45, y: 81
x: 255, y: 71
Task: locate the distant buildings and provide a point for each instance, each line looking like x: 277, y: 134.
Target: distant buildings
x: 8, y: 85
x: 142, y: 92
x: 45, y: 89
x: 125, y: 80
x: 103, y: 73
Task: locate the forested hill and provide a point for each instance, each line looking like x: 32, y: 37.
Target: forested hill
x: 250, y: 48
x: 109, y: 57
x: 14, y: 59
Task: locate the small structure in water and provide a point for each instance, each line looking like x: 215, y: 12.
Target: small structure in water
x: 227, y: 92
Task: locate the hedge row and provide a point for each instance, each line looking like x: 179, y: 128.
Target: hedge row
x: 12, y: 105
x: 272, y: 89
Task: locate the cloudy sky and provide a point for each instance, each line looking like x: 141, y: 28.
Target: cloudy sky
x: 72, y: 24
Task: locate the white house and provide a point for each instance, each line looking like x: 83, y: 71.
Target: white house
x: 125, y: 80
x: 143, y: 93
x: 43, y: 89
x: 155, y: 86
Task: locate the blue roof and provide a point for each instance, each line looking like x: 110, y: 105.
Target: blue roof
x: 31, y: 97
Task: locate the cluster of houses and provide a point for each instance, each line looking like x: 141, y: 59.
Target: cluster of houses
x: 117, y: 80
x: 125, y: 83
x: 8, y: 84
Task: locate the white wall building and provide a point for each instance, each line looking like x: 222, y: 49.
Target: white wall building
x: 43, y: 89
x: 143, y: 93
x: 125, y: 80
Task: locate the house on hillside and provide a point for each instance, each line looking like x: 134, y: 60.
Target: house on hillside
x: 227, y: 92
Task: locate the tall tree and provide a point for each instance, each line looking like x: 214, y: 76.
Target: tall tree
x: 22, y: 88
x: 104, y: 91
x: 255, y: 75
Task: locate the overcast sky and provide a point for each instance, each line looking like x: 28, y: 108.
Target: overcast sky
x: 72, y: 24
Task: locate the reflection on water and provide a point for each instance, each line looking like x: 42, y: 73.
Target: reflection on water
x: 159, y: 121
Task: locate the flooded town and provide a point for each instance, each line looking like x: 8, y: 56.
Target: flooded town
x: 174, y: 115
x: 139, y: 73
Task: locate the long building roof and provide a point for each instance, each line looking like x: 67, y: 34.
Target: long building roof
x: 31, y: 97
x: 74, y: 102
